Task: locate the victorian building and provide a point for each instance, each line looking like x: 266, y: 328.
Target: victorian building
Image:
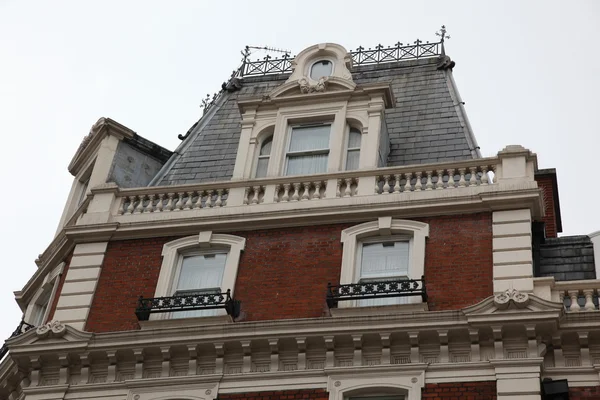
x: 327, y: 230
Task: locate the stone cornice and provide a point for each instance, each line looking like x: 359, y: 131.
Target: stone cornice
x: 90, y: 143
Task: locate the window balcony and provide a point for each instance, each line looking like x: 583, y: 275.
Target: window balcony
x: 376, y: 290
x: 187, y: 302
x: 21, y: 328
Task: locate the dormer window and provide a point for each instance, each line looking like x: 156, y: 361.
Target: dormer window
x: 263, y: 158
x: 308, y: 150
x: 320, y: 69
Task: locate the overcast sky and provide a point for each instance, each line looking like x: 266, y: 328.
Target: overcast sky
x: 529, y: 72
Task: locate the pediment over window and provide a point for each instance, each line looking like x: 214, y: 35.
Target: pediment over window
x: 524, y: 306
x: 53, y: 333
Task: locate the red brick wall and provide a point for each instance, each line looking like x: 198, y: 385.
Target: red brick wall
x: 460, y: 391
x: 545, y: 183
x: 312, y: 394
x: 584, y: 393
x: 458, y: 261
x: 130, y: 270
x: 284, y: 273
x: 61, y: 282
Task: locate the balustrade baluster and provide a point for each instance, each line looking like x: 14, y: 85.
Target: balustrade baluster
x: 494, y: 179
x: 473, y: 179
x: 131, y: 205
x: 179, y: 204
x: 484, y: 175
x: 397, y: 183
x: 276, y: 195
x: 305, y: 195
x: 348, y: 191
x: 286, y: 192
x: 418, y: 183
x: 440, y: 179
x: 408, y: 186
x: 247, y: 193
x: 169, y: 206
x: 140, y: 207
x: 589, y: 302
x: 150, y: 206
x: 121, y: 209
x: 256, y: 190
x: 338, y: 189
x: 386, y: 185
x: 461, y: 182
x: 429, y: 184
x: 574, y: 295
x: 296, y: 195
x: 188, y: 204
x: 219, y: 201
x: 317, y: 193
x: 160, y: 205
x: 451, y: 182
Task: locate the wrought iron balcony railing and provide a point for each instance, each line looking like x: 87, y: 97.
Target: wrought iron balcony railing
x: 376, y: 290
x: 21, y: 328
x: 187, y: 302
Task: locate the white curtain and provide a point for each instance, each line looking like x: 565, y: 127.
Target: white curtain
x: 200, y: 273
x: 309, y: 164
x: 310, y: 138
x: 352, y: 160
x: 384, y: 261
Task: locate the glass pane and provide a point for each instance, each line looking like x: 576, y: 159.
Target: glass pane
x: 310, y: 138
x: 261, y: 167
x: 201, y: 272
x: 310, y: 164
x: 352, y: 160
x: 354, y: 139
x: 320, y: 69
x: 265, y: 149
x: 381, y: 260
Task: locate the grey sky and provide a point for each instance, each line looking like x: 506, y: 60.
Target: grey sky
x: 529, y: 72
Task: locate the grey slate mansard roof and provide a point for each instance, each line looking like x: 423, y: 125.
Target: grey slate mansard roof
x: 427, y: 124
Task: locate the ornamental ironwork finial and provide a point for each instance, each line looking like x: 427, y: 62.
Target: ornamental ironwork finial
x: 442, y: 34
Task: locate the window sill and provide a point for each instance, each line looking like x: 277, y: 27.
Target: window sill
x: 185, y: 322
x: 378, y: 310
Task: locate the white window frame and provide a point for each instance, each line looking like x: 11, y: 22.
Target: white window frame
x: 382, y: 239
x: 48, y: 288
x: 320, y: 59
x: 361, y: 383
x: 347, y: 148
x: 383, y: 229
x: 205, y: 242
x: 259, y: 156
x: 288, y: 141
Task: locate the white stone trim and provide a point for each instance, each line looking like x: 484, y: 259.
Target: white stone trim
x: 50, y: 283
x: 384, y: 226
x: 407, y: 382
x: 204, y: 240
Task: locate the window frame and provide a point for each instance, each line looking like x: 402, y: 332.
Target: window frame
x: 48, y: 288
x: 260, y: 156
x: 382, y: 239
x: 347, y: 148
x: 379, y: 230
x: 205, y: 242
x: 288, y: 142
x: 318, y: 60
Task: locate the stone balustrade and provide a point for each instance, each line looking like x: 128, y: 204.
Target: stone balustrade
x: 511, y: 169
x: 576, y: 296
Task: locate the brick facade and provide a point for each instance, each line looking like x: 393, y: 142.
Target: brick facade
x: 460, y: 391
x: 584, y: 393
x: 284, y: 273
x: 305, y: 394
x: 546, y: 183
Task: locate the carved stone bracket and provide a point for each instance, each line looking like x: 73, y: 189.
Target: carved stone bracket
x: 503, y: 300
x: 306, y: 87
x: 53, y: 329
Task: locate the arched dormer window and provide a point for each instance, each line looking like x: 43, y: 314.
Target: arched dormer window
x: 353, y: 149
x: 320, y: 69
x: 263, y: 158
